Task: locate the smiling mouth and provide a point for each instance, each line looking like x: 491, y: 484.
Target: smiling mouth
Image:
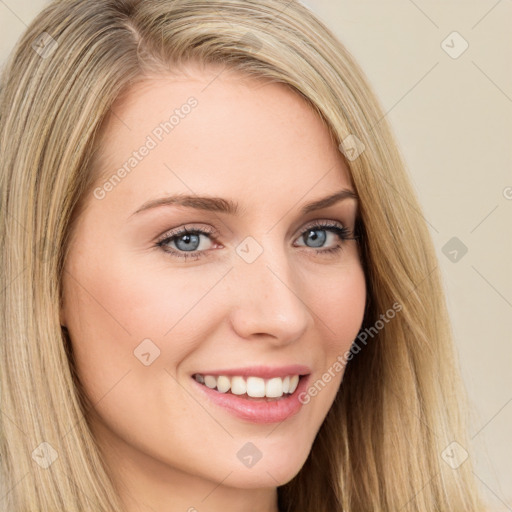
x: 255, y: 388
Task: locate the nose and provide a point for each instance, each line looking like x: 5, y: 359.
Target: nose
x: 266, y: 301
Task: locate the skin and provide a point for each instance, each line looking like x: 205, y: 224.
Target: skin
x: 168, y: 448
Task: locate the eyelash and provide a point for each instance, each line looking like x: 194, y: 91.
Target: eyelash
x: 343, y: 233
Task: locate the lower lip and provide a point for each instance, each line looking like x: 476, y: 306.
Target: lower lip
x: 257, y: 410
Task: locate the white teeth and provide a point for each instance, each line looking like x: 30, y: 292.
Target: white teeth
x: 255, y: 387
x: 274, y: 387
x: 223, y: 384
x: 293, y: 383
x: 210, y: 381
x: 238, y: 386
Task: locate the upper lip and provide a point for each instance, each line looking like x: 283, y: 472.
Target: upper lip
x: 265, y: 372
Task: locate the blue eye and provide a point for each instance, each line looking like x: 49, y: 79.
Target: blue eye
x: 311, y: 234
x: 186, y: 242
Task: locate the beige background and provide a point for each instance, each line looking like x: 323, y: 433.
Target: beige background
x: 453, y: 121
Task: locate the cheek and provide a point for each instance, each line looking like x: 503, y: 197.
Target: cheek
x: 115, y: 314
x: 129, y: 332
x: 339, y: 307
x: 339, y: 311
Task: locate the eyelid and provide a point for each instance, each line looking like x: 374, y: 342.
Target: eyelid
x: 212, y: 232
x: 323, y: 222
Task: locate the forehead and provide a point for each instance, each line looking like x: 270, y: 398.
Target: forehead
x: 215, y: 130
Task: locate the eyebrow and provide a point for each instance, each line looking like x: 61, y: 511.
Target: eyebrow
x: 218, y: 204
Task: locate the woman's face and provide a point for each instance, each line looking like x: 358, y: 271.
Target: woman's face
x: 258, y: 301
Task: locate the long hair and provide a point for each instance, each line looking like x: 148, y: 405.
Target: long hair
x: 400, y: 405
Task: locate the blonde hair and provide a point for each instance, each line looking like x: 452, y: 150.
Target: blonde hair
x: 399, y: 405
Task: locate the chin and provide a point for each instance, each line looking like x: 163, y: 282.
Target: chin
x: 279, y: 463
